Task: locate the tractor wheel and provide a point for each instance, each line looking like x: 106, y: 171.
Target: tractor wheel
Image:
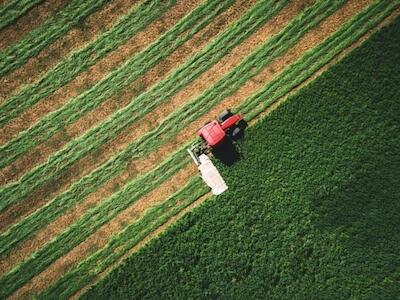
x: 237, y: 133
x: 225, y: 115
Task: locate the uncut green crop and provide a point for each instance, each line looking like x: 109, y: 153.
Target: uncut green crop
x: 68, y: 69
x: 114, y: 82
x: 143, y: 104
x: 45, y: 34
x: 227, y: 85
x: 326, y: 51
x: 13, y: 9
x: 312, y: 211
x: 125, y: 240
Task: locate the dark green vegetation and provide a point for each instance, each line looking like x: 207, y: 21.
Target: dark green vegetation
x: 313, y: 209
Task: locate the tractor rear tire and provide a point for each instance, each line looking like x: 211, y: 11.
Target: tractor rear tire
x: 225, y: 115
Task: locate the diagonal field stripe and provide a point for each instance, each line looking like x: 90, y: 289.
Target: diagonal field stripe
x: 16, y: 55
x: 82, y: 59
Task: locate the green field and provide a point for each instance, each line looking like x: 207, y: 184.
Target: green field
x: 99, y: 101
x: 313, y: 207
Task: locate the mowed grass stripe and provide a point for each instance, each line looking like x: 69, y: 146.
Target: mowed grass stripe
x: 317, y: 57
x: 122, y: 242
x: 101, y: 214
x: 39, y: 38
x: 115, y: 82
x: 13, y: 9
x: 97, y: 136
x: 68, y: 69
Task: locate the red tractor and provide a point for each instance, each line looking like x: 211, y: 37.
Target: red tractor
x: 219, y: 134
x: 228, y: 125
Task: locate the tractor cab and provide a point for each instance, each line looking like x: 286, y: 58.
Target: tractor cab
x: 228, y: 125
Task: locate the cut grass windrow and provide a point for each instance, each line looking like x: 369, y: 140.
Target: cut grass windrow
x: 39, y: 38
x: 230, y: 83
x: 122, y: 242
x: 78, y: 61
x: 349, y: 33
x: 94, y: 138
x: 114, y: 82
x: 89, y: 222
x: 13, y: 9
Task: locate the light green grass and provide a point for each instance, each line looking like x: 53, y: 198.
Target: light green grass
x: 42, y: 36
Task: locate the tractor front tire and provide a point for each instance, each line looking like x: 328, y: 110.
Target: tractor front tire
x: 225, y: 115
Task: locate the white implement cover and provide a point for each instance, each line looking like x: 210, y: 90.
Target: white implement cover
x: 211, y: 176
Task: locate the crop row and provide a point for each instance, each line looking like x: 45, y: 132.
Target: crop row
x: 322, y: 54
x: 114, y: 82
x: 13, y: 9
x: 143, y: 104
x: 45, y: 34
x: 188, y: 113
x: 147, y: 143
x: 119, y: 244
x: 88, y: 223
x: 65, y: 71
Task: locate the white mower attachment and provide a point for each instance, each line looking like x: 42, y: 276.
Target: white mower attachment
x: 209, y: 173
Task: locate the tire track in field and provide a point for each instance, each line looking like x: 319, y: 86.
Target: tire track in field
x: 88, y: 78
x: 211, y: 76
x: 93, y: 243
x: 75, y: 38
x: 315, y: 39
x: 31, y: 19
x: 91, y: 161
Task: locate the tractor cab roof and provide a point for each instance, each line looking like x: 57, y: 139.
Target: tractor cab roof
x: 212, y: 133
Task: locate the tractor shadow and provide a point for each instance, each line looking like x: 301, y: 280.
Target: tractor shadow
x: 227, y: 152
